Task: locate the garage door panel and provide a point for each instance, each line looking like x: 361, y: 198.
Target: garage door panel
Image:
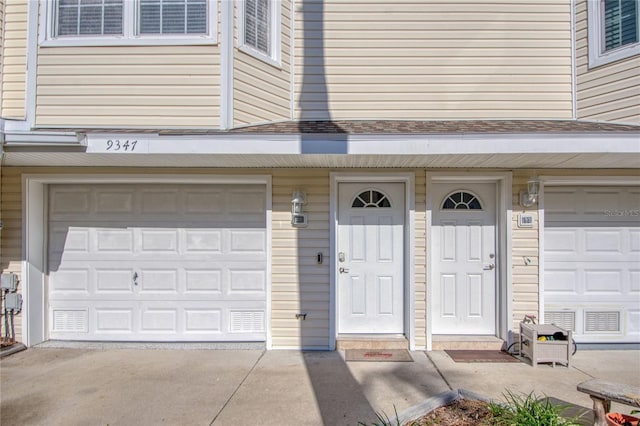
x: 559, y: 280
x: 114, y: 279
x: 591, y: 253
x: 634, y: 281
x: 153, y: 321
x: 158, y: 262
x: 70, y: 280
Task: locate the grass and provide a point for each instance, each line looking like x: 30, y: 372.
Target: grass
x: 528, y: 410
x: 517, y: 410
x: 383, y: 419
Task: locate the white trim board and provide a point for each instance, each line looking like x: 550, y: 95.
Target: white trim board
x: 409, y: 243
x: 34, y: 234
x: 627, y: 143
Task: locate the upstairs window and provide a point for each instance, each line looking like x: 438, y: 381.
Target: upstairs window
x: 89, y: 17
x: 120, y: 22
x: 259, y: 29
x: 614, y: 30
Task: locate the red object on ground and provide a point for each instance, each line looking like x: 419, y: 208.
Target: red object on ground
x: 618, y: 419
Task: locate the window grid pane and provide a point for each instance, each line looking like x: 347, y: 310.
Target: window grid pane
x: 173, y: 17
x: 620, y: 23
x: 88, y: 17
x: 257, y: 28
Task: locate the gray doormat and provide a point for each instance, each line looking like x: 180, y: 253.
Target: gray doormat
x: 480, y: 356
x: 378, y: 355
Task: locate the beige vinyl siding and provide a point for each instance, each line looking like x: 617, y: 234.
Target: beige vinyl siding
x: 261, y: 91
x: 609, y: 92
x: 13, y: 64
x: 129, y: 86
x: 525, y: 245
x: 432, y: 60
x: 11, y: 232
x: 420, y: 259
x: 299, y: 284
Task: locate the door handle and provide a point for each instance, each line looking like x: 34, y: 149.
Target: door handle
x: 343, y: 270
x: 135, y: 278
x: 489, y: 267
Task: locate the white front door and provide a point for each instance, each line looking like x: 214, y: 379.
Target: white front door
x: 370, y: 262
x: 464, y: 258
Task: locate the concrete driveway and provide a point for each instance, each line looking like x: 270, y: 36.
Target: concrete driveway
x: 49, y: 386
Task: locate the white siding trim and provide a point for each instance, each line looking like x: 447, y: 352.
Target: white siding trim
x: 409, y: 243
x: 34, y: 234
x: 226, y: 66
x: 292, y: 60
x: 32, y: 64
x: 574, y: 70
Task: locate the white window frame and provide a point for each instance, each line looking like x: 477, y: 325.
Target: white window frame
x: 130, y: 30
x: 597, y: 54
x: 274, y: 57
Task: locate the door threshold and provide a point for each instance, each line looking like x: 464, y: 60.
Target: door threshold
x: 371, y: 341
x: 442, y: 342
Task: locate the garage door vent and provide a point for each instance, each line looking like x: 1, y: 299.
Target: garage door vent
x: 247, y: 321
x: 563, y: 319
x: 602, y: 322
x: 70, y: 321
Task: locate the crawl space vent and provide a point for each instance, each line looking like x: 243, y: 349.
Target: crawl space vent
x: 247, y: 321
x: 70, y: 321
x: 563, y: 319
x: 602, y: 322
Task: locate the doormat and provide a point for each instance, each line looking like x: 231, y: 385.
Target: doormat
x: 480, y: 356
x: 378, y: 355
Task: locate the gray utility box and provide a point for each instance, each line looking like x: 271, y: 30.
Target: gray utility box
x: 554, y: 351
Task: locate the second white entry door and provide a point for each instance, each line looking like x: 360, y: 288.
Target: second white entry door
x: 370, y: 275
x: 463, y: 258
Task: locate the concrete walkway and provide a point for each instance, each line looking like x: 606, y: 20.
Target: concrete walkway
x: 49, y: 386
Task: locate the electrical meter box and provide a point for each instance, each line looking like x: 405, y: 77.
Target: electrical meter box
x: 13, y: 302
x: 9, y: 282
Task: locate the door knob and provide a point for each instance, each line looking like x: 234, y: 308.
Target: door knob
x: 135, y: 278
x: 489, y: 267
x: 343, y: 270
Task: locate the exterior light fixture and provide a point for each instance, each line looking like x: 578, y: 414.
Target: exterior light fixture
x: 298, y: 218
x: 529, y: 197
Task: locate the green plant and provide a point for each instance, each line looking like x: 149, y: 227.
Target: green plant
x: 383, y: 419
x: 528, y: 410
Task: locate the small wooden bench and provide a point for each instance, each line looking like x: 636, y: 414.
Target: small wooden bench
x: 603, y: 392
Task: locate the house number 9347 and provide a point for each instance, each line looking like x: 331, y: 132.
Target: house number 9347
x: 118, y: 145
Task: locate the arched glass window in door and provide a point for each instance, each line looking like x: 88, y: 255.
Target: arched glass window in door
x: 371, y: 198
x: 461, y: 200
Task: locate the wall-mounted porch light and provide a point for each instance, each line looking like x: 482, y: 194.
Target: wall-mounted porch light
x: 530, y: 197
x: 298, y: 218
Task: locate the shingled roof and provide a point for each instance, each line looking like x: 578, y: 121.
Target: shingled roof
x: 436, y: 127
x: 391, y: 127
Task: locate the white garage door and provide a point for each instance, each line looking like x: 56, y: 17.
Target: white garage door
x: 157, y: 262
x: 592, y: 262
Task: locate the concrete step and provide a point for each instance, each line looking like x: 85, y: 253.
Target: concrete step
x: 371, y: 342
x: 453, y: 342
